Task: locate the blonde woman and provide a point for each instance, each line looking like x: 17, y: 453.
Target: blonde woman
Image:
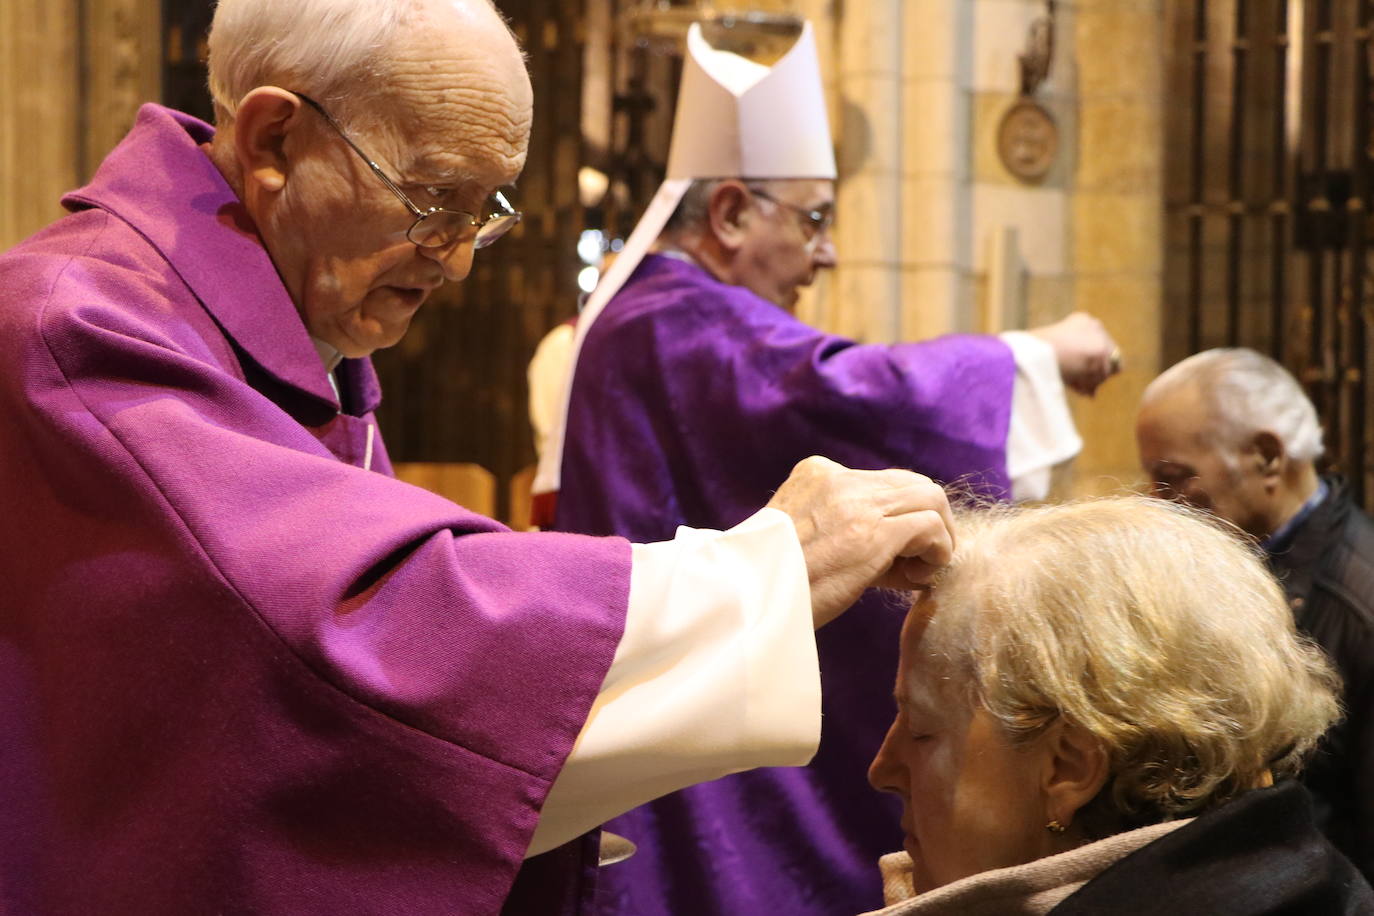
x: 1100, y: 709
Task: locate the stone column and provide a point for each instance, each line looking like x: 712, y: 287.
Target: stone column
x: 866, y: 290
x: 934, y: 189
x: 1117, y: 219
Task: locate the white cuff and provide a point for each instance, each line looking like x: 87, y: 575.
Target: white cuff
x: 716, y: 673
x: 1041, y: 433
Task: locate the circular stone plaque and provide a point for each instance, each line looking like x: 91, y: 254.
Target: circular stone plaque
x: 1027, y: 140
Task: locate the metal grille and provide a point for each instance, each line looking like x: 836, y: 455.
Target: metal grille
x: 1268, y: 177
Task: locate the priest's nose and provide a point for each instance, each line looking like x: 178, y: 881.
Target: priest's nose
x: 455, y: 258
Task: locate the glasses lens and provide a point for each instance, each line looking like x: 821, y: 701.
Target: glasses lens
x: 439, y: 228
x: 495, y: 227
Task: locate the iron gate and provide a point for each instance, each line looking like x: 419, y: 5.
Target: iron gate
x: 1267, y: 196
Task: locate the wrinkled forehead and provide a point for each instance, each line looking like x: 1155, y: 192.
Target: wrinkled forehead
x: 812, y: 193
x: 936, y: 637
x: 1180, y: 419
x: 461, y: 99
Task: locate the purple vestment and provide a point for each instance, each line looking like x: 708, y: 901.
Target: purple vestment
x: 240, y: 673
x: 691, y: 402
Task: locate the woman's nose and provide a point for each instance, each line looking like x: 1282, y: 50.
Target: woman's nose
x: 883, y: 771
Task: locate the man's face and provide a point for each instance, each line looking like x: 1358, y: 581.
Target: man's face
x: 461, y: 100
x: 1185, y: 461
x: 780, y: 252
x: 970, y: 799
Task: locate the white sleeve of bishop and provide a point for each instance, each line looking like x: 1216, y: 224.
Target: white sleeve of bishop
x: 716, y: 673
x: 1041, y: 434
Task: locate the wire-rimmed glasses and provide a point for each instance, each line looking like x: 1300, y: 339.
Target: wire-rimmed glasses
x: 436, y: 227
x: 815, y: 223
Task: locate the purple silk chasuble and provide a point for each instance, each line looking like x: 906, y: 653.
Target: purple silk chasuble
x: 238, y: 672
x: 691, y: 402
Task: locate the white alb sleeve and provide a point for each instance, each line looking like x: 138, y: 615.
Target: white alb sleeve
x: 1041, y: 434
x: 716, y: 673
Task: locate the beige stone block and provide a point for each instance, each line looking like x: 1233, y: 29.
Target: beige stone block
x: 1048, y: 298
x: 934, y: 128
x: 1121, y: 146
x: 872, y: 135
x: 1000, y: 28
x: 1117, y: 233
x: 934, y: 222
x: 935, y: 301
x: 868, y: 300
x: 867, y: 219
x: 1120, y: 49
x: 1129, y: 305
x: 1106, y: 422
x: 1040, y: 216
x: 816, y: 302
x: 1155, y: 6
x: 937, y: 39
x: 1131, y: 308
x: 868, y: 44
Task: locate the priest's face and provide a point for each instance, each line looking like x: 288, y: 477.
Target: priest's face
x: 783, y: 247
x: 456, y: 125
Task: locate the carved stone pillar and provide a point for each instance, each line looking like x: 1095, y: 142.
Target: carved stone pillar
x: 867, y: 284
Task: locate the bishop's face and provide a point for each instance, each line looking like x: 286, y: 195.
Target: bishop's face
x: 458, y: 110
x: 782, y: 249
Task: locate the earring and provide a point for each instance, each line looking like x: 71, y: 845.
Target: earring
x: 1055, y: 827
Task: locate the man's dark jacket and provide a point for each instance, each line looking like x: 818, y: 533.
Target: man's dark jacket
x: 1327, y: 571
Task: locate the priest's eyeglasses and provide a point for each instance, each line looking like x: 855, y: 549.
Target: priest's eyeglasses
x: 814, y: 223
x: 436, y: 227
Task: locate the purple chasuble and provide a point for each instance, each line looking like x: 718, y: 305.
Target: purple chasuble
x: 240, y: 673
x: 691, y: 402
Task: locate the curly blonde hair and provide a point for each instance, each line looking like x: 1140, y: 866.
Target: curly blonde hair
x: 1144, y: 623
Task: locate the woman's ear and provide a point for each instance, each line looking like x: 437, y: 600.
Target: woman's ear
x: 264, y: 118
x: 1076, y: 769
x: 728, y: 213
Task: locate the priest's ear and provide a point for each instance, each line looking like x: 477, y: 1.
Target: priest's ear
x: 264, y: 119
x: 728, y: 213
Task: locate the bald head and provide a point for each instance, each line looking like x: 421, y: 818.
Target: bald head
x: 1231, y: 431
x: 356, y: 55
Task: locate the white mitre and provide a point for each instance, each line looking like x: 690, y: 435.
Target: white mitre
x: 735, y: 119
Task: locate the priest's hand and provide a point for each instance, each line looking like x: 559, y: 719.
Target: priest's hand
x: 1086, y: 353
x: 858, y: 529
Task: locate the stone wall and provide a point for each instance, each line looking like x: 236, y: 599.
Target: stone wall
x: 935, y: 235
x: 72, y: 75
